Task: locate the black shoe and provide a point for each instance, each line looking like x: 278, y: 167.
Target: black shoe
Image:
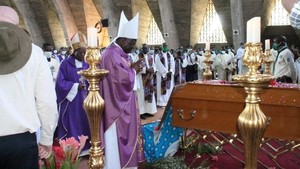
x: 148, y: 115
x: 143, y: 116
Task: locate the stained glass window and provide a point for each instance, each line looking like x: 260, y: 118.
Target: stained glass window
x: 154, y: 36
x: 212, y: 30
x: 279, y: 15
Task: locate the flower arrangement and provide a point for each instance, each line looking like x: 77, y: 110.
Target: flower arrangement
x: 66, y: 154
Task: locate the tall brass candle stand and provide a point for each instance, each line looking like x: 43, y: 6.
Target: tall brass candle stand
x: 268, y: 61
x: 207, y: 73
x: 252, y: 122
x: 94, y: 105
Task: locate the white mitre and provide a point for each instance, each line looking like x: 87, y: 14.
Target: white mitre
x: 128, y: 29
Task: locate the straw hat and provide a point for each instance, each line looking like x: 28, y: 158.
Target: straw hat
x: 15, y: 48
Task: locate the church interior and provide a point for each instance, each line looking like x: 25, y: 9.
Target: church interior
x: 179, y: 22
x: 205, y: 114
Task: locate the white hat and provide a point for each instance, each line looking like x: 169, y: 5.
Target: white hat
x: 78, y: 40
x: 8, y: 14
x: 128, y: 29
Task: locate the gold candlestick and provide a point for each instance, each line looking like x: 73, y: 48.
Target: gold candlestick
x: 268, y: 61
x: 252, y: 122
x: 94, y: 105
x: 207, y: 73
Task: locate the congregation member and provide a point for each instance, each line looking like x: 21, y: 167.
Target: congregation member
x: 146, y: 96
x: 201, y: 64
x: 71, y: 90
x: 53, y: 63
x: 284, y: 66
x: 192, y: 64
x: 213, y: 58
x: 219, y: 66
x: 239, y: 57
x: 62, y: 55
x: 293, y: 7
x: 165, y: 67
x: 180, y: 67
x: 122, y: 142
x: 27, y: 99
x: 227, y: 61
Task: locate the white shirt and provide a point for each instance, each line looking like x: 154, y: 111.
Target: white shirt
x: 28, y: 99
x: 284, y: 65
x: 54, y: 66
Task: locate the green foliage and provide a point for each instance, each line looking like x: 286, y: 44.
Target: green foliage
x: 167, y: 163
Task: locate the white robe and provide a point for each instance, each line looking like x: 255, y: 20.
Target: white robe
x: 201, y: 66
x: 112, y: 157
x: 162, y: 70
x: 145, y: 106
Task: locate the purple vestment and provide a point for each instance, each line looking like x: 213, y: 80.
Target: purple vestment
x: 72, y: 120
x: 120, y: 105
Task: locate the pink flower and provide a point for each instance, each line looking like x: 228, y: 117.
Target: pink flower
x: 82, y: 140
x: 214, y: 158
x: 66, y: 154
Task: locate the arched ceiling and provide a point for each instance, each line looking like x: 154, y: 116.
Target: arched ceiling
x: 55, y: 21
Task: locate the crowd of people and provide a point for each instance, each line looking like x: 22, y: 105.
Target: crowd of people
x: 140, y: 79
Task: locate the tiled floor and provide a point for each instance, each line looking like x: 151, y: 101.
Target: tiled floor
x: 157, y: 116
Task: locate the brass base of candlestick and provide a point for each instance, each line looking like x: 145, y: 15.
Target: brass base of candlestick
x: 207, y: 74
x: 94, y: 105
x: 252, y: 122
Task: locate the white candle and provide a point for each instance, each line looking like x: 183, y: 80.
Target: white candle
x: 253, y: 30
x: 92, y: 36
x: 267, y: 44
x: 207, y: 46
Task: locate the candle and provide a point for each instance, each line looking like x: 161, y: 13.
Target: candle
x: 253, y: 30
x: 207, y: 46
x: 92, y: 36
x: 267, y: 44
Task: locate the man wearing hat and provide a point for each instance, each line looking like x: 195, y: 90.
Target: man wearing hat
x: 71, y: 91
x: 121, y: 124
x: 27, y: 97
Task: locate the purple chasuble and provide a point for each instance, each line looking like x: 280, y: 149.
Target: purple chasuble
x: 120, y: 105
x: 72, y: 120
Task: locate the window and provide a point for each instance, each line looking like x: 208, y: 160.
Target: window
x: 154, y: 36
x: 279, y: 15
x: 212, y: 30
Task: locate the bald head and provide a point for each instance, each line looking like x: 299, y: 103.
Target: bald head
x: 8, y: 14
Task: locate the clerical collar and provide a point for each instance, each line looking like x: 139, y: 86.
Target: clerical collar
x: 78, y: 64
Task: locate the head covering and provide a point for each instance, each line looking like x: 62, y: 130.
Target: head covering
x: 15, y: 48
x: 8, y: 14
x: 128, y: 29
x: 78, y: 40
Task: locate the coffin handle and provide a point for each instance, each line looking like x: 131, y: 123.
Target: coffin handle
x: 192, y: 113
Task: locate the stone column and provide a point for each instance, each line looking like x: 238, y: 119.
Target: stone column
x: 31, y: 23
x: 55, y: 26
x: 66, y: 18
x: 168, y: 22
x: 145, y: 16
x: 237, y: 23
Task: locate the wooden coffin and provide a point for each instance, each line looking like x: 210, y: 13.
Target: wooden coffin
x: 217, y: 107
